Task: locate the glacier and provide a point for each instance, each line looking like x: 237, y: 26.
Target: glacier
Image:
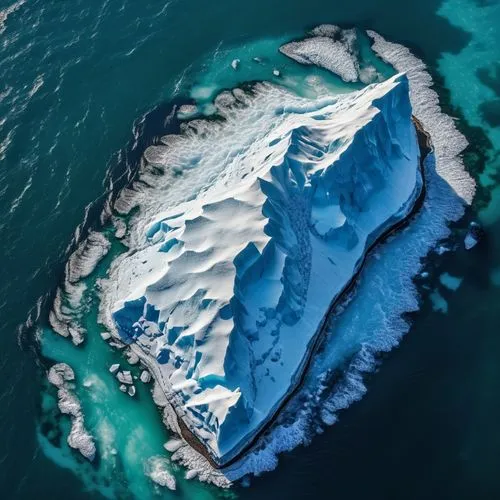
x: 256, y: 226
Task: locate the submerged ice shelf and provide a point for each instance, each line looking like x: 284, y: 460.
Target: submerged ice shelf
x: 226, y: 288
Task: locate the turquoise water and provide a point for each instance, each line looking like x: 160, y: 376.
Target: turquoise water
x: 73, y: 80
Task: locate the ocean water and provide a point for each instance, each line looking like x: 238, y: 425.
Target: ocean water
x: 84, y: 87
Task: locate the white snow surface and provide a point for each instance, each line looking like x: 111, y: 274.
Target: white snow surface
x: 230, y: 276
x: 61, y: 375
x: 331, y: 48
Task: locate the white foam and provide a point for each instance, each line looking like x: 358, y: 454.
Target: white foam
x: 5, y: 13
x: 158, y: 469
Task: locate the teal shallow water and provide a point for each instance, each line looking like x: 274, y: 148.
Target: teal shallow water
x: 73, y: 79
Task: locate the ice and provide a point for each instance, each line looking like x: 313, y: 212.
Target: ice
x: 125, y: 377
x: 360, y: 328
x: 331, y: 48
x: 145, y: 377
x: 114, y: 368
x: 220, y: 284
x: 450, y: 282
x: 157, y: 468
x: 79, y: 438
x: 66, y: 309
x: 439, y: 303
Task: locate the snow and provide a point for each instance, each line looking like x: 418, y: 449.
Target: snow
x: 67, y: 303
x: 222, y: 283
x: 114, y: 368
x: 125, y: 377
x: 61, y: 375
x: 331, y: 48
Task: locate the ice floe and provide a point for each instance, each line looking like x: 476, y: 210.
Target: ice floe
x: 331, y: 48
x: 61, y: 375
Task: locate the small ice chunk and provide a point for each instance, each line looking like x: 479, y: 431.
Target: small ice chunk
x: 187, y: 111
x: 61, y: 373
x: 131, y: 391
x: 369, y: 74
x: 450, y: 282
x: 125, y: 377
x: 473, y: 235
x: 191, y: 473
x: 172, y: 445
x: 235, y: 64
x: 123, y: 388
x: 105, y: 335
x: 470, y: 241
x: 145, y: 377
x: 114, y: 368
x: 121, y: 228
x: 116, y: 345
x: 441, y: 249
x: 330, y: 30
x: 424, y: 275
x: 87, y: 383
x: 276, y: 72
x: 439, y: 303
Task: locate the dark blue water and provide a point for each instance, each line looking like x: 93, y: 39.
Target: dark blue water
x: 75, y: 77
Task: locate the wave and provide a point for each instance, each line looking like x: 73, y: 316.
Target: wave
x: 5, y: 13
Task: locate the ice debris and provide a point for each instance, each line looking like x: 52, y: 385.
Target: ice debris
x: 61, y: 375
x: 473, y: 235
x: 331, y: 48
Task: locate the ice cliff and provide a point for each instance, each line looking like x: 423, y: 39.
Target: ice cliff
x: 228, y: 290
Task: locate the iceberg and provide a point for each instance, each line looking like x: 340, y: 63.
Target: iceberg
x: 329, y: 47
x: 227, y: 286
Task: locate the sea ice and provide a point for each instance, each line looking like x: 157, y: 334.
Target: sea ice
x: 79, y: 438
x: 450, y: 282
x: 331, y: 48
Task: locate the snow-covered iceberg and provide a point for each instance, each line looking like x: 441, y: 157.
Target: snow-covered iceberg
x: 227, y: 292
